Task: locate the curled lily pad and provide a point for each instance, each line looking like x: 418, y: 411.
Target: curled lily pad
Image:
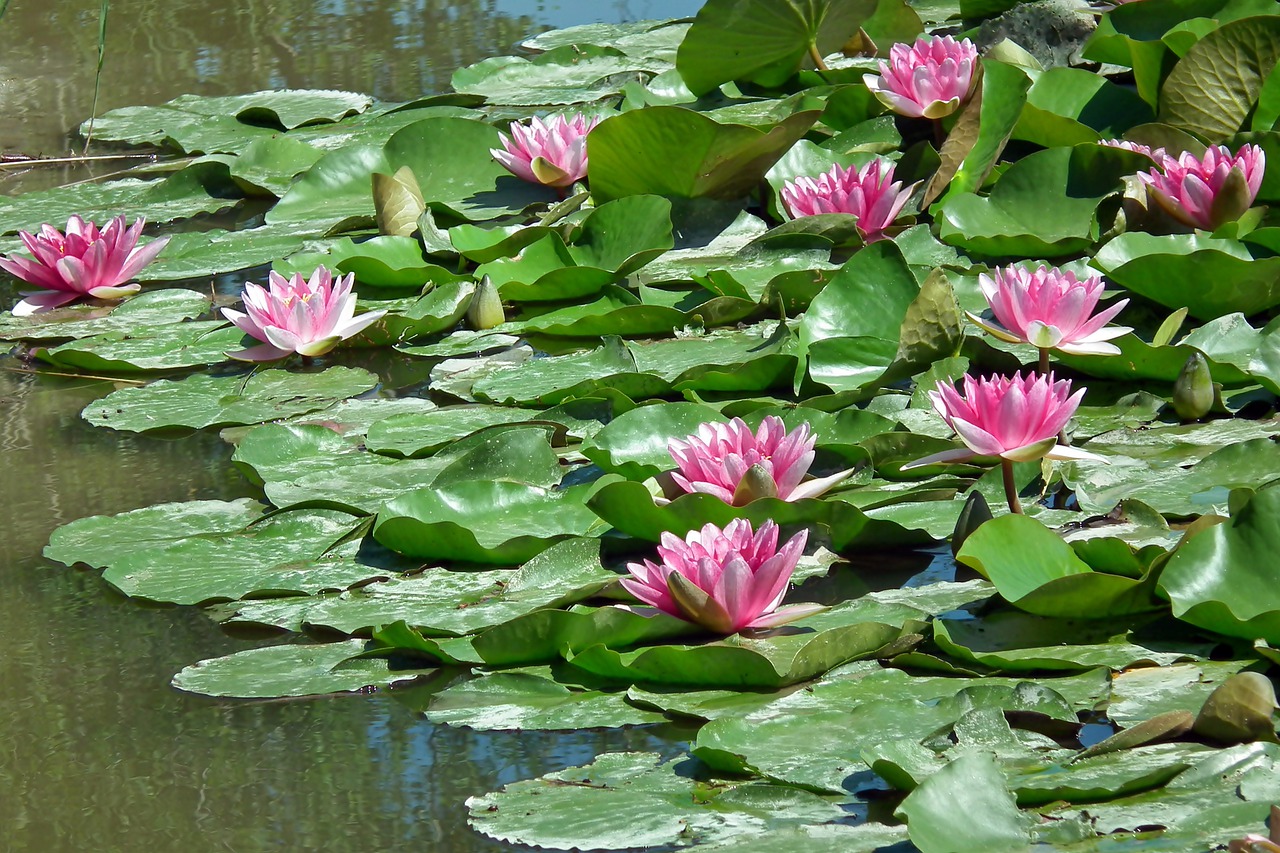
x: 482, y: 522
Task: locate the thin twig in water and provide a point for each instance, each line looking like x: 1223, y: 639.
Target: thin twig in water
x: 10, y: 162
x: 97, y: 77
x: 73, y: 375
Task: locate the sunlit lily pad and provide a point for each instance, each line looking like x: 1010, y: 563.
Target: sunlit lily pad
x: 160, y: 347
x: 295, y: 670
x: 201, y: 401
x: 149, y: 308
x: 526, y: 701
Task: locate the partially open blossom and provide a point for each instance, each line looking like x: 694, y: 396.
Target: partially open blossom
x: 82, y: 262
x: 1208, y: 191
x: 869, y: 193
x: 724, y: 580
x: 927, y: 79
x: 551, y: 152
x: 297, y: 315
x: 736, y: 465
x: 1156, y: 154
x: 1049, y: 309
x: 1014, y: 418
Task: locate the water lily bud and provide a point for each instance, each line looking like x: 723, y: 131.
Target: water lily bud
x: 976, y: 512
x: 756, y: 483
x: 1239, y: 710
x: 485, y: 311
x: 1193, y: 389
x: 397, y: 202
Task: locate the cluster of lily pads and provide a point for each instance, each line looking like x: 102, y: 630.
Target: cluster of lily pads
x: 654, y: 298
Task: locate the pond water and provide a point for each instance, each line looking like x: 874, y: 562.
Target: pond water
x: 99, y: 752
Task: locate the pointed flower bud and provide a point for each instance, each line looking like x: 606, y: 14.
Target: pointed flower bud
x: 1193, y: 389
x: 485, y: 311
x: 397, y: 202
x: 976, y: 512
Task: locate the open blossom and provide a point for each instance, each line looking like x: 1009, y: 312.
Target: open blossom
x: 84, y: 261
x: 551, y: 152
x: 927, y: 79
x: 1049, y: 309
x: 1208, y: 191
x: 297, y: 315
x: 1014, y: 418
x: 869, y: 193
x: 736, y: 465
x: 724, y: 580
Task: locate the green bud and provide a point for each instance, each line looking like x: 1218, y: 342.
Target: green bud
x: 485, y: 310
x: 1239, y: 710
x: 756, y: 483
x: 976, y: 511
x: 1193, y: 389
x: 397, y: 201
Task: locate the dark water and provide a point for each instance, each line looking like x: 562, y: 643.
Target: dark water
x: 97, y: 752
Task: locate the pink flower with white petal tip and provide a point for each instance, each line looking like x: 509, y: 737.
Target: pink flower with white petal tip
x: 1156, y: 154
x: 1014, y: 418
x: 869, y: 193
x: 551, y: 152
x: 82, y: 262
x: 1209, y: 191
x: 724, y: 580
x: 1049, y: 309
x: 298, y: 316
x: 736, y: 465
x: 928, y: 79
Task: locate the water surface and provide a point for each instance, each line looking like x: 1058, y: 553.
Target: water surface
x: 98, y: 752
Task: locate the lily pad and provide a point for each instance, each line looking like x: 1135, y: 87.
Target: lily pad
x: 170, y: 346
x: 525, y: 701
x: 202, y: 401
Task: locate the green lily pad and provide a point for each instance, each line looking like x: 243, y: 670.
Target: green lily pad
x: 634, y: 800
x: 482, y: 522
x: 202, y: 401
x: 544, y: 636
x: 208, y: 253
x: 940, y: 812
x: 569, y: 74
x: 761, y: 42
x: 525, y: 701
x: 1218, y: 580
x: 1143, y: 693
x: 147, y: 309
x: 634, y: 444
x: 1036, y: 571
x: 679, y: 153
x: 162, y: 347
x: 1209, y: 276
x: 421, y: 434
x: 295, y: 670
x: 445, y: 603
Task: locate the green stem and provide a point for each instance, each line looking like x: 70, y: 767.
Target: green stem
x: 1010, y: 488
x: 1044, y: 362
x: 97, y: 76
x: 817, y: 57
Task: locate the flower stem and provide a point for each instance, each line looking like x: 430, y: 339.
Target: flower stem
x: 1044, y: 362
x: 1010, y: 488
x: 939, y: 133
x: 817, y: 57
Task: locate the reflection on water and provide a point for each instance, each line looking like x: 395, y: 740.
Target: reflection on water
x: 98, y: 752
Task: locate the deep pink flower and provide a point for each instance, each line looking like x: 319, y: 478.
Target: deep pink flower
x: 82, y: 262
x: 1014, y: 418
x: 296, y: 315
x: 1210, y: 191
x: 551, y: 152
x: 724, y: 581
x: 869, y: 193
x: 718, y: 456
x: 927, y: 79
x: 1049, y: 309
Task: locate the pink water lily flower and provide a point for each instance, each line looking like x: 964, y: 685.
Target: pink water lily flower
x: 1156, y: 154
x: 83, y: 262
x: 724, y: 580
x: 736, y: 465
x: 551, y: 152
x: 1015, y: 419
x: 869, y: 193
x: 1049, y: 309
x: 928, y: 79
x: 1206, y: 192
x: 298, y: 316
